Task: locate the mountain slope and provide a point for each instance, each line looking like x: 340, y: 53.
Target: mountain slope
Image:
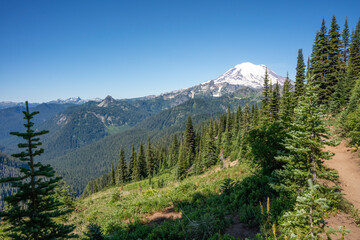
x: 9, y: 167
x: 11, y: 119
x: 98, y: 156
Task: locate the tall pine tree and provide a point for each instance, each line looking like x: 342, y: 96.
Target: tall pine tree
x: 335, y: 64
x: 320, y: 63
x: 121, y: 168
x: 189, y: 141
x: 354, y: 58
x: 150, y: 160
x: 300, y: 76
x: 32, y: 210
x: 305, y: 144
x: 287, y: 103
x: 345, y: 44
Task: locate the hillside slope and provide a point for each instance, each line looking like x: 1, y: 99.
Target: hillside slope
x: 98, y: 156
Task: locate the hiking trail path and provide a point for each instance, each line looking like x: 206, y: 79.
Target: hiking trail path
x: 347, y: 164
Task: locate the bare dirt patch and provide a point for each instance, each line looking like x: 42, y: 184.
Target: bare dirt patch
x: 342, y: 219
x: 167, y: 214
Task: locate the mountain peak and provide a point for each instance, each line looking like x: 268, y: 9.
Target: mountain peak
x: 104, y: 103
x: 248, y: 74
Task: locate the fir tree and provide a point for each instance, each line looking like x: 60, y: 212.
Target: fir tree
x: 266, y: 93
x: 132, y: 164
x: 307, y: 220
x: 345, y: 44
x: 354, y: 102
x: 335, y: 64
x: 210, y: 151
x: 174, y: 151
x: 121, y: 168
x: 339, y: 97
x: 354, y: 58
x: 275, y: 104
x: 287, y: 103
x: 320, y: 63
x: 150, y: 161
x: 189, y: 141
x: 94, y: 232
x: 142, y: 162
x: 229, y: 121
x: 32, y: 210
x: 300, y: 75
x: 246, y: 117
x: 112, y: 175
x: 238, y: 120
x: 305, y: 143
x: 181, y: 164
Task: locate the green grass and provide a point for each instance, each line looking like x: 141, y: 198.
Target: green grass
x: 113, y: 209
x: 111, y: 130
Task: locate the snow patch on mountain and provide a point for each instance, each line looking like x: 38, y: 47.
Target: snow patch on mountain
x: 248, y: 75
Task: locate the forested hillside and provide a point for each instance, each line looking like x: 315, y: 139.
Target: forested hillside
x: 9, y: 167
x: 158, y: 127
x: 11, y: 119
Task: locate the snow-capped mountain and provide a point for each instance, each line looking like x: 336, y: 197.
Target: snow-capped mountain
x: 249, y: 75
x: 241, y: 76
x: 75, y: 100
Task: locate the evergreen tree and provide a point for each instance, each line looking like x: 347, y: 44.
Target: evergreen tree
x: 32, y: 210
x: 246, y: 117
x: 306, y: 221
x: 112, y: 175
x: 181, y: 165
x: 150, y: 161
x: 238, y: 120
x: 339, y: 97
x: 266, y: 94
x: 174, y: 151
x: 142, y: 162
x: 210, y: 150
x: 354, y: 102
x: 189, y: 141
x: 121, y: 168
x: 305, y: 144
x: 229, y: 121
x: 300, y: 76
x: 287, y: 103
x: 137, y: 172
x: 320, y: 63
x: 275, y: 103
x: 354, y: 58
x: 335, y: 64
x: 94, y: 233
x: 131, y: 165
x: 256, y: 115
x: 345, y: 44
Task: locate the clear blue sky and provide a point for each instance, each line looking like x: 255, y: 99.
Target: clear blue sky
x: 58, y: 49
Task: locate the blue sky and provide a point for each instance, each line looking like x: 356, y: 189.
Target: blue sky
x: 58, y: 49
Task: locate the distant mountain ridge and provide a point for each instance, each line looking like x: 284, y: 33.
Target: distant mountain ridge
x: 72, y: 100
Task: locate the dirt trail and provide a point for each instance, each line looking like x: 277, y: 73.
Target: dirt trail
x: 347, y: 164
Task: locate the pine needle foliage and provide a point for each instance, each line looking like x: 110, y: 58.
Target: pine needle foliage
x: 305, y: 144
x: 32, y: 210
